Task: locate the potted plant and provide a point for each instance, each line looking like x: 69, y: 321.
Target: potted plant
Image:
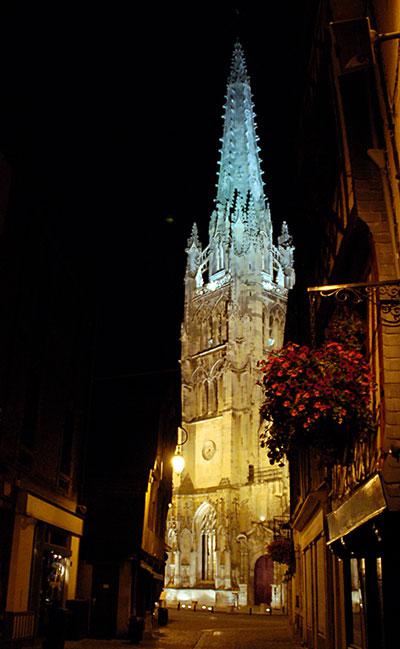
x: 280, y: 550
x: 315, y: 397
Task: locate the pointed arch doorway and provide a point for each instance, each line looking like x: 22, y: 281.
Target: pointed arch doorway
x: 263, y: 577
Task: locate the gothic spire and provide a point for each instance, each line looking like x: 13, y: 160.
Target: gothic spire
x: 240, y: 171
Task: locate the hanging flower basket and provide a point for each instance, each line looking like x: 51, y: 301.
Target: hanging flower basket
x: 315, y: 397
x: 279, y: 550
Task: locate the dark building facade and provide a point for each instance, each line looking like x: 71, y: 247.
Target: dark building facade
x: 46, y: 305
x: 346, y: 514
x: 128, y: 490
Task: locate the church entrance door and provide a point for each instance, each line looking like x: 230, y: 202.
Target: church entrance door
x: 263, y: 576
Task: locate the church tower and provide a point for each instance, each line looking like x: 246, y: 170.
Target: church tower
x: 228, y: 495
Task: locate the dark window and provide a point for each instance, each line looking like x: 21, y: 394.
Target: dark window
x: 30, y: 418
x: 67, y: 441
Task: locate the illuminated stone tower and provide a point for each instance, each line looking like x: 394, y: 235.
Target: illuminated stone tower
x: 236, y: 289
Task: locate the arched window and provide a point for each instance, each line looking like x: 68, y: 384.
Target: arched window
x: 266, y: 261
x: 212, y: 396
x: 219, y: 328
x: 271, y: 327
x: 217, y: 258
x: 205, y: 528
x: 276, y: 326
x: 264, y: 328
x: 220, y: 256
x: 210, y: 331
x: 220, y: 393
x: 204, y: 398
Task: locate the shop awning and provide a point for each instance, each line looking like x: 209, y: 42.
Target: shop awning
x: 365, y: 503
x: 51, y: 514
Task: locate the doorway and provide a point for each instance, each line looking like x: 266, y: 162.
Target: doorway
x: 263, y: 577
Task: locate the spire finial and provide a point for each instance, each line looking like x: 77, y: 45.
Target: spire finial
x: 238, y: 65
x: 194, y: 238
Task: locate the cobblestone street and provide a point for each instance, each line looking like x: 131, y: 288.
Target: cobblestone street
x: 208, y: 631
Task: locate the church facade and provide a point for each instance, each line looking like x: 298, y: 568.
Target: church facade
x: 228, y: 497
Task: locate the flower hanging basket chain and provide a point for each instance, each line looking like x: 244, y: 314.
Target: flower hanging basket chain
x: 315, y: 397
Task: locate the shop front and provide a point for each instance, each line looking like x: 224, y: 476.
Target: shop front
x: 43, y: 565
x: 363, y: 534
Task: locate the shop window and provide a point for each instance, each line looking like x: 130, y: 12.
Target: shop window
x: 49, y: 572
x: 357, y: 580
x: 54, y: 569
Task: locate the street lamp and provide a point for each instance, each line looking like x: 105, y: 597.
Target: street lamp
x: 178, y: 461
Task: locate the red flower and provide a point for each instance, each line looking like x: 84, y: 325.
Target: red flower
x: 309, y: 389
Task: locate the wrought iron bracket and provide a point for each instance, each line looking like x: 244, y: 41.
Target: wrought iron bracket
x: 384, y: 295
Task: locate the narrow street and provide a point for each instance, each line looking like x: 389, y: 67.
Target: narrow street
x: 188, y: 630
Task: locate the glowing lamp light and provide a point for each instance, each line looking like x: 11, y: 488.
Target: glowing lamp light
x: 178, y: 463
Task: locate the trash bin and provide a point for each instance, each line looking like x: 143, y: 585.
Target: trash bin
x: 56, y: 627
x: 162, y: 616
x: 135, y: 629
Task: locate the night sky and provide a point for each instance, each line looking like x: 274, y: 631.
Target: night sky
x: 110, y: 120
